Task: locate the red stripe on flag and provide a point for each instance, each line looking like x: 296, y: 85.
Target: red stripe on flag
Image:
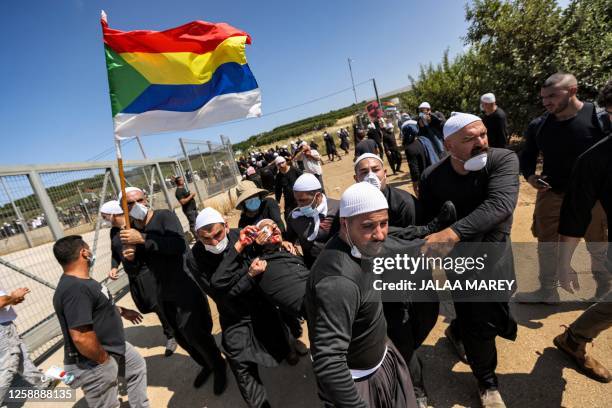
x: 197, y: 36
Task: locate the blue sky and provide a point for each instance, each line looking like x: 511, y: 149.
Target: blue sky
x: 56, y: 106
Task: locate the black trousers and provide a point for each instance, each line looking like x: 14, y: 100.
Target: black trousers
x: 191, y: 217
x: 395, y: 159
x: 476, y: 325
x: 192, y: 326
x: 249, y: 383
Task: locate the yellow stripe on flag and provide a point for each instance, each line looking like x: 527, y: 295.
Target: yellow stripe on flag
x: 186, y: 68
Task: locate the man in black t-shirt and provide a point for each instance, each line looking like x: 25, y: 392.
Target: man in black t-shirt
x: 564, y: 132
x: 187, y: 201
x: 364, y: 145
x: 95, y: 350
x: 583, y: 192
x: 494, y: 118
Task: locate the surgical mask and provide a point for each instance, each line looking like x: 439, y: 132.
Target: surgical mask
x: 252, y: 204
x: 476, y: 163
x: 91, y: 260
x: 354, y: 250
x: 139, y: 211
x: 307, y: 210
x: 220, y: 247
x: 373, y: 179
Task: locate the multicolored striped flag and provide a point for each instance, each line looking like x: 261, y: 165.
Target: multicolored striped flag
x: 183, y: 78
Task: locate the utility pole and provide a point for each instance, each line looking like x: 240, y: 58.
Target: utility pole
x: 376, y: 92
x: 352, y: 80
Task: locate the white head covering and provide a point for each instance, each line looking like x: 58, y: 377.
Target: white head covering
x: 367, y: 156
x: 208, y: 216
x: 487, y: 98
x: 424, y: 105
x: 457, y: 122
x: 279, y: 160
x: 112, y: 207
x: 129, y: 190
x: 303, y: 143
x: 361, y: 198
x: 307, y: 182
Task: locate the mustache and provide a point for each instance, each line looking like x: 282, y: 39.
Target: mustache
x: 478, y: 150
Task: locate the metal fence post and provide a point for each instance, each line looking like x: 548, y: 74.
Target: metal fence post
x: 17, y: 214
x: 162, y: 183
x: 191, y: 170
x: 234, y: 167
x: 46, y: 204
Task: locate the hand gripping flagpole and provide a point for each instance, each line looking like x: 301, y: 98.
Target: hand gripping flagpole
x: 124, y: 204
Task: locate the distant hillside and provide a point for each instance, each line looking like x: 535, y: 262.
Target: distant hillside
x: 313, y: 123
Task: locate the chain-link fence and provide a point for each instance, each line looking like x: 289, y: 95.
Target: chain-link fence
x: 209, y: 168
x: 40, y: 204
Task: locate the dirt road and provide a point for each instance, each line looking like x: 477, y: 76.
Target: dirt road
x: 532, y: 372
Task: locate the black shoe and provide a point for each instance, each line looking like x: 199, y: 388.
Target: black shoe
x: 445, y: 218
x: 202, y: 377
x: 220, y: 383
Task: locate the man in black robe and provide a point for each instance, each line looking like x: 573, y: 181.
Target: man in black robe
x: 285, y: 178
x: 157, y: 240
x: 251, y: 336
x: 314, y: 220
x: 483, y: 185
x: 143, y: 287
x: 353, y: 362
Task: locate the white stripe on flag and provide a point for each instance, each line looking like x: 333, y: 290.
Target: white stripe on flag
x: 221, y: 108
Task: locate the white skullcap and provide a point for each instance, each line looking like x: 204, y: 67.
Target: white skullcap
x: 275, y: 154
x: 411, y: 122
x: 279, y: 160
x: 303, y: 143
x: 208, y: 216
x: 487, y: 98
x: 457, y: 122
x: 307, y: 182
x: 129, y: 190
x: 367, y: 156
x: 361, y: 198
x: 111, y: 207
x: 424, y: 105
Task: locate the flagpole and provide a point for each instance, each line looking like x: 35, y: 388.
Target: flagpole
x: 124, y: 204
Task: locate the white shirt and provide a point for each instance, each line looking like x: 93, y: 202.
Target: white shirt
x: 7, y: 313
x: 312, y: 166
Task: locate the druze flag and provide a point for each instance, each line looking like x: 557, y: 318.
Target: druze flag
x: 183, y: 78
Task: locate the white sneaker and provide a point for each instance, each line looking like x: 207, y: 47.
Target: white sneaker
x: 491, y: 398
x: 170, y: 347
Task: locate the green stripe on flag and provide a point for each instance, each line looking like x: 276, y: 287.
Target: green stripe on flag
x: 125, y: 82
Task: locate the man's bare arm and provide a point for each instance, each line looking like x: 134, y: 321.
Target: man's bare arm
x: 86, y: 342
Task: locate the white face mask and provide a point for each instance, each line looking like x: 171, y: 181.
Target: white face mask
x: 354, y: 250
x: 220, y: 247
x: 139, y: 211
x: 476, y: 163
x: 373, y: 179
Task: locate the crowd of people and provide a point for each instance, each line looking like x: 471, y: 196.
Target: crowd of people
x: 298, y: 255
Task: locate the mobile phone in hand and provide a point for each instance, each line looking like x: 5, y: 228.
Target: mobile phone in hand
x: 542, y: 183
